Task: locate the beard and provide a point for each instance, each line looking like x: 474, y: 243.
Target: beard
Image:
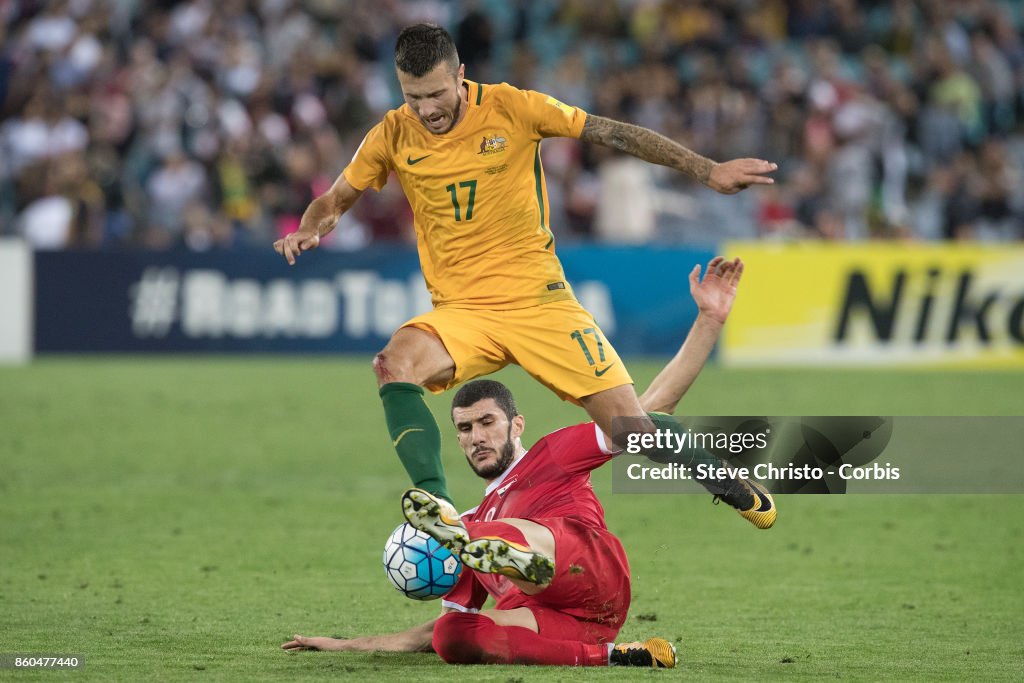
x: 454, y: 117
x: 456, y: 112
x: 506, y: 454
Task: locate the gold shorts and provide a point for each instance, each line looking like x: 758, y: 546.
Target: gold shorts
x: 557, y: 343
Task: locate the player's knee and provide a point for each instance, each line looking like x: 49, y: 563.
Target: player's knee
x: 380, y: 368
x: 390, y: 367
x: 457, y: 638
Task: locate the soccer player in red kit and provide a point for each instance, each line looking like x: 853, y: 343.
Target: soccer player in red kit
x: 538, y: 542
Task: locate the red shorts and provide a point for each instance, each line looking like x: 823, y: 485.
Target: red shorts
x: 589, y: 595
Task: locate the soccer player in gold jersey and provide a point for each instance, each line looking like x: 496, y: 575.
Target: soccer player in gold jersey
x: 467, y: 156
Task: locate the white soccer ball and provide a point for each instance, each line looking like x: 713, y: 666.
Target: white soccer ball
x: 418, y: 566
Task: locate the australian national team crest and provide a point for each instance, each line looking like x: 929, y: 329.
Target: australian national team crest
x: 492, y: 144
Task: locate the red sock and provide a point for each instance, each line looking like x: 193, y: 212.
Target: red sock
x: 467, y: 638
x: 502, y: 530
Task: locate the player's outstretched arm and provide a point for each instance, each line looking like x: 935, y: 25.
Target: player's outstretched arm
x: 415, y: 639
x: 320, y: 217
x: 728, y: 177
x: 714, y: 294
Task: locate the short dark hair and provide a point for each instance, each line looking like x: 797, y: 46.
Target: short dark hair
x: 479, y: 389
x: 421, y: 47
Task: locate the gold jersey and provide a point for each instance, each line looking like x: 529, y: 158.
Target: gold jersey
x: 477, y: 194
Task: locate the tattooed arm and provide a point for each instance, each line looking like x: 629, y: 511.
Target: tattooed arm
x: 728, y: 177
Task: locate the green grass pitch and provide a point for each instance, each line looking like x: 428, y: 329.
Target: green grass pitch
x: 179, y: 518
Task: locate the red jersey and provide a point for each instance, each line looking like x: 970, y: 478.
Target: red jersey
x: 550, y: 481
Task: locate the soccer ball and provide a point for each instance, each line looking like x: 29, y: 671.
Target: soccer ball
x: 419, y: 566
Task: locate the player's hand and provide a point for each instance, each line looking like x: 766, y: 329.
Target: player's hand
x: 302, y: 643
x: 729, y: 177
x: 716, y: 293
x: 293, y: 244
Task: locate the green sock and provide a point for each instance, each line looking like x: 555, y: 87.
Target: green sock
x: 690, y: 455
x: 415, y: 435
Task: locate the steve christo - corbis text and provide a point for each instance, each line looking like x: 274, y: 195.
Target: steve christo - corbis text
x: 764, y: 471
x: 666, y: 440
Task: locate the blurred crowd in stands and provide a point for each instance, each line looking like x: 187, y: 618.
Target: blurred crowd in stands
x: 213, y: 123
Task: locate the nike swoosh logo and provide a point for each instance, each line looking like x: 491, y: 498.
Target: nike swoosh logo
x: 598, y: 373
x: 764, y: 503
x: 402, y: 435
x: 413, y: 162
